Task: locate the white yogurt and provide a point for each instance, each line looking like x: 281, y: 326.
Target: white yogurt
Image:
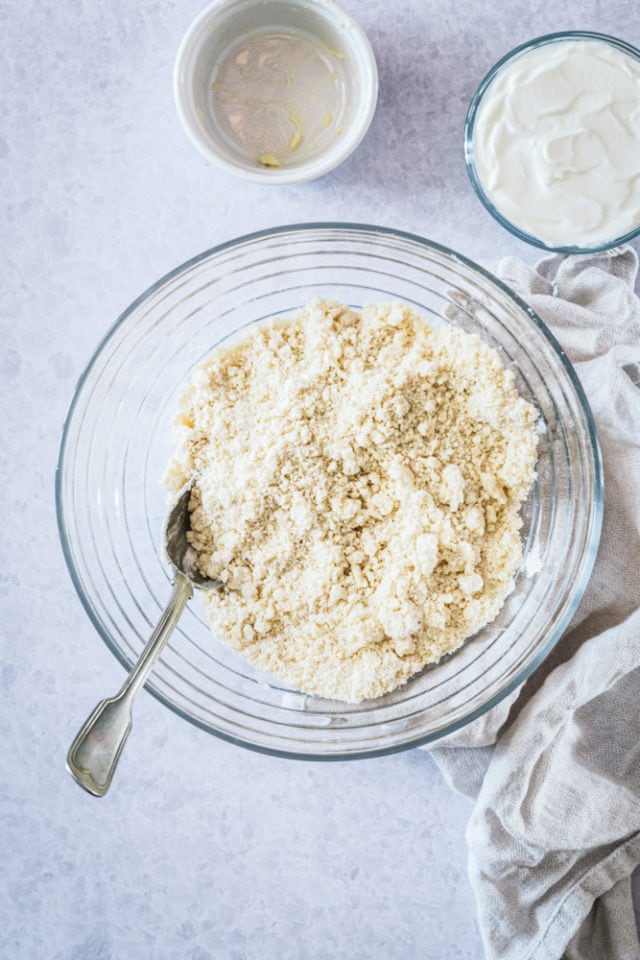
x: 556, y: 143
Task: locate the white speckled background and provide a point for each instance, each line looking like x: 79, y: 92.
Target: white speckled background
x: 202, y: 851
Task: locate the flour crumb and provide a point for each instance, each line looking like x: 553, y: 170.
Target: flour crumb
x: 359, y: 477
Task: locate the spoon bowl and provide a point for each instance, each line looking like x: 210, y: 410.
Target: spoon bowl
x: 179, y: 551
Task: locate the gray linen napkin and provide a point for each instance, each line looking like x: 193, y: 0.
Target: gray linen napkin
x: 555, y: 769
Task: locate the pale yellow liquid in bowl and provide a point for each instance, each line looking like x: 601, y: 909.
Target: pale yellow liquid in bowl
x: 277, y: 97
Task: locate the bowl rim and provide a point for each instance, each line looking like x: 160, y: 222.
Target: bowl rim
x: 316, y: 167
x: 589, y: 554
x: 469, y: 127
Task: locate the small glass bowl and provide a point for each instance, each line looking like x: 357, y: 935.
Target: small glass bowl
x: 117, y: 441
x: 472, y: 113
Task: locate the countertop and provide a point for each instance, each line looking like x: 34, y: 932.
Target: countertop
x: 202, y: 850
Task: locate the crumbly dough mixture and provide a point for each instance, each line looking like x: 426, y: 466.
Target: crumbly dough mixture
x: 359, y: 479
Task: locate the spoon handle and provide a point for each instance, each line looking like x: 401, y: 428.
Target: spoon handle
x: 94, y: 754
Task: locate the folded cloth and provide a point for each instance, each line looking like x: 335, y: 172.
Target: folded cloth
x: 555, y: 768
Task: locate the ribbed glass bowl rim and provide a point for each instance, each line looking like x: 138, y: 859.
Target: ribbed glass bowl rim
x: 469, y: 155
x: 597, y: 508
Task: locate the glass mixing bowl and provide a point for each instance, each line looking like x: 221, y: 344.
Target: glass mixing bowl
x: 117, y: 440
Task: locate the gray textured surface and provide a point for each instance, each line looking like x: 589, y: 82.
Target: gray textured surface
x: 202, y: 851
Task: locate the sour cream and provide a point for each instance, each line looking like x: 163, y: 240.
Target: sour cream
x: 556, y: 142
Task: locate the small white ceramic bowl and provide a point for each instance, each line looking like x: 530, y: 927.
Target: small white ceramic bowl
x: 221, y: 29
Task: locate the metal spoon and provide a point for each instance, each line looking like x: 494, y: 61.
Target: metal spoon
x: 95, y: 752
